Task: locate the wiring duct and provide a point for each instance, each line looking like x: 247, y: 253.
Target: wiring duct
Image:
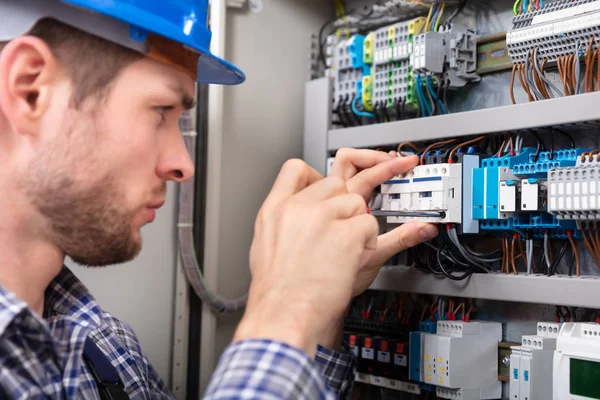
x: 185, y: 227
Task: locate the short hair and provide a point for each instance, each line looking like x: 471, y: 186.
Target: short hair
x: 92, y: 63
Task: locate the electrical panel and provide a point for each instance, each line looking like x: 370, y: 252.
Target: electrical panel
x: 497, y: 99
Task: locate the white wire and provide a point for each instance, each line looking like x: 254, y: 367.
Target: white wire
x: 546, y: 250
x: 529, y: 246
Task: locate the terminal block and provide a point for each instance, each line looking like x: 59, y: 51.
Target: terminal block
x: 426, y: 188
x: 461, y: 360
x: 451, y: 51
x: 554, y: 30
x: 531, y: 367
x: 349, y: 68
x: 537, y: 166
x: 576, y: 366
x: 574, y: 192
x: 391, y: 77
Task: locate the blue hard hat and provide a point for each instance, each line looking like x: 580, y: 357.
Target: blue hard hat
x: 129, y: 23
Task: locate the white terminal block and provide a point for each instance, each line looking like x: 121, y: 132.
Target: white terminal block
x: 548, y: 329
x: 507, y: 196
x: 574, y: 192
x: 462, y: 360
x: 576, y: 373
x: 436, y: 187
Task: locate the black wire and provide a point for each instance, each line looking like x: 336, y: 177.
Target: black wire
x: 552, y: 269
x: 340, y: 114
x: 565, y: 134
x: 445, y: 96
x: 398, y: 110
x: 447, y: 273
x: 376, y: 112
x: 385, y: 112
x: 540, y: 145
x: 462, y: 5
x: 355, y: 117
x: 403, y: 107
x: 551, y: 156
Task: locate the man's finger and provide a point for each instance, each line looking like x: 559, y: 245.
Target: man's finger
x: 348, y: 162
x: 366, y: 181
x: 367, y: 229
x: 403, y: 237
x: 294, y: 176
x: 346, y: 206
x: 323, y: 190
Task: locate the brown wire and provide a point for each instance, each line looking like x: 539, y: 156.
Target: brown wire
x: 569, y: 73
x: 561, y: 72
x: 523, y: 76
x: 598, y: 75
x: 409, y: 144
x: 588, y: 56
x: 591, y: 249
x: 454, y: 150
x: 434, y: 145
x: 512, y: 84
x: 574, y: 74
x: 523, y: 253
x: 577, y: 266
x: 512, y: 255
x: 503, y: 254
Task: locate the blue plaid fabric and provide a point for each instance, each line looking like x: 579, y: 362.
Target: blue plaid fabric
x: 41, y: 358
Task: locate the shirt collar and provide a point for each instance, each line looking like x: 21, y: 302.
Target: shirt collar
x: 66, y: 296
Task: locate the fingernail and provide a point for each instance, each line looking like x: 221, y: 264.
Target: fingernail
x: 428, y: 232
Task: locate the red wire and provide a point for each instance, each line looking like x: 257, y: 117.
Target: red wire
x: 537, y: 4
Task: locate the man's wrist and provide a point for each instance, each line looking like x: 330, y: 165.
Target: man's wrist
x: 292, y: 325
x: 333, y: 335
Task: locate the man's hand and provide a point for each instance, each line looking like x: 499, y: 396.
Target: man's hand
x: 363, y: 171
x: 310, y: 236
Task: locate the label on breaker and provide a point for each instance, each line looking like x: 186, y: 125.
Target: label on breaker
x: 354, y: 350
x: 383, y: 356
x: 369, y: 354
x: 400, y: 360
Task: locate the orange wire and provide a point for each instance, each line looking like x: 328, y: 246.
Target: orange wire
x: 438, y: 144
x: 454, y: 150
x: 471, y: 307
x: 561, y: 72
x: 577, y: 266
x: 512, y: 84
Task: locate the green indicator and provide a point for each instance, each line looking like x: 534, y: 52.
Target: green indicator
x: 585, y: 378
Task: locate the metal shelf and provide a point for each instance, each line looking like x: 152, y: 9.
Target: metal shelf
x: 580, y: 112
x: 558, y: 290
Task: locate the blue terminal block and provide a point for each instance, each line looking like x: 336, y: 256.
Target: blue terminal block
x: 538, y: 167
x: 537, y: 224
x: 414, y: 356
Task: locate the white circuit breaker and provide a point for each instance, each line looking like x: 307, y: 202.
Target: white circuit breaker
x: 531, y: 368
x: 462, y: 360
x: 576, y: 374
x: 436, y: 187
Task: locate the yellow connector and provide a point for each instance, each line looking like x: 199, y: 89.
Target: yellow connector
x: 368, y: 48
x: 391, y: 32
x: 367, y: 93
x: 415, y: 26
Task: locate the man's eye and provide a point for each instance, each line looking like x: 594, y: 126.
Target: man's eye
x: 162, y: 110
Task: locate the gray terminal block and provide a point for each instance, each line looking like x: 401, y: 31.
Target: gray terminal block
x: 554, y: 31
x: 451, y: 51
x: 574, y: 192
x: 346, y: 76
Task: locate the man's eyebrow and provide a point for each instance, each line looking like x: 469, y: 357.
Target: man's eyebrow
x: 187, y: 100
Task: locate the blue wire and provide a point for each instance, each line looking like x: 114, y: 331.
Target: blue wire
x: 432, y: 91
x: 524, y: 6
x: 427, y: 107
x: 360, y: 113
x: 434, y: 11
x: 435, y: 18
x: 542, y: 4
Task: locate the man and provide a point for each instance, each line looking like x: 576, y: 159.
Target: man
x: 90, y: 95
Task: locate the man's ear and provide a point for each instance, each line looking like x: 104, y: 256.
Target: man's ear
x: 28, y: 70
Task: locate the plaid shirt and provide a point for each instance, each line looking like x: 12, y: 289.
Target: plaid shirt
x: 42, y: 358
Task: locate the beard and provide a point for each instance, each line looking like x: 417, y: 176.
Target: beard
x: 85, y: 213
x: 89, y: 225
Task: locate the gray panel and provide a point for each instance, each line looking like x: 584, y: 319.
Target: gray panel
x: 563, y: 290
x: 581, y: 109
x: 317, y: 114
